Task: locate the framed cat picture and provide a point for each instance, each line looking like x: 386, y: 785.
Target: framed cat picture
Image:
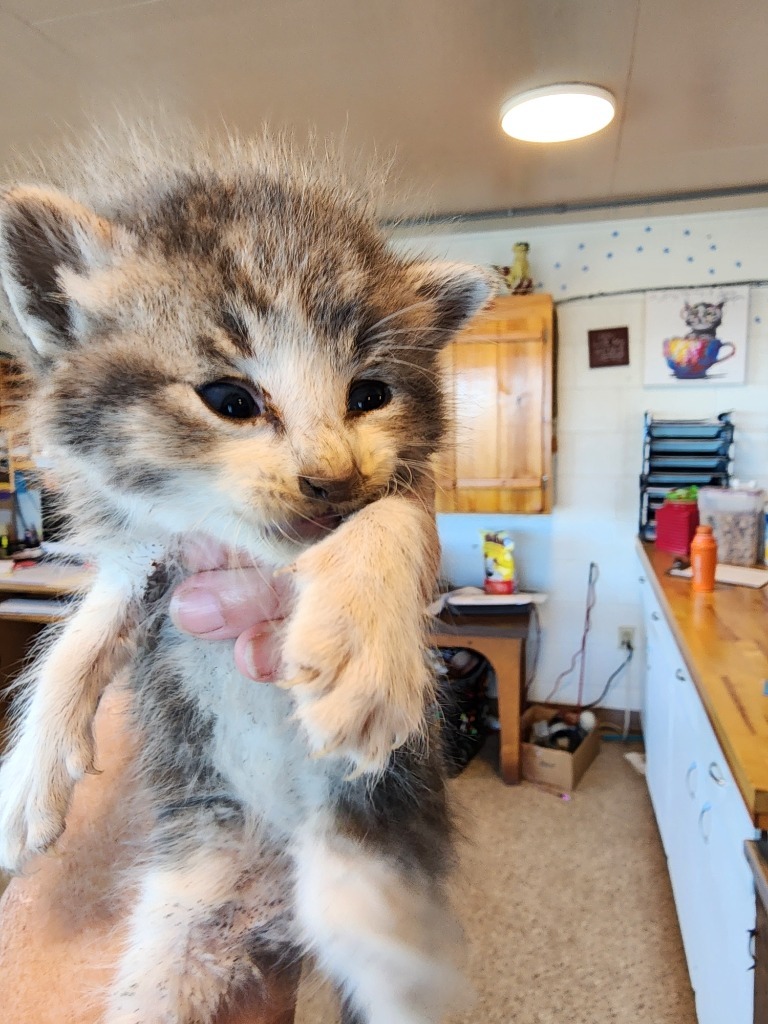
x: 696, y: 336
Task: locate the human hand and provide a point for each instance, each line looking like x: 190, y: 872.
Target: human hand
x: 246, y: 604
x: 55, y: 917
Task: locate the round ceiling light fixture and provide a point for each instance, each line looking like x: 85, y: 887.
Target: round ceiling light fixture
x: 558, y: 113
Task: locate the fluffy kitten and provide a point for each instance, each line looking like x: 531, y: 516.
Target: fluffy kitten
x: 703, y: 318
x: 224, y: 342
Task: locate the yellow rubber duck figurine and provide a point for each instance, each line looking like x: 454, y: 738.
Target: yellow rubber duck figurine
x: 518, y: 278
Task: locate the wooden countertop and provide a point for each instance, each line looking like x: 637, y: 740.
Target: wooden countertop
x: 723, y: 637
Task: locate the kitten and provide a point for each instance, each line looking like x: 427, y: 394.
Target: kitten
x: 703, y: 318
x: 226, y: 343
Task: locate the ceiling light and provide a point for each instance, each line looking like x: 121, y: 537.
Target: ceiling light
x: 557, y: 113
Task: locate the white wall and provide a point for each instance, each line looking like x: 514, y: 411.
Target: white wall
x: 600, y: 415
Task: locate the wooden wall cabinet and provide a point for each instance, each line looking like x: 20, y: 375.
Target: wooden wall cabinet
x: 500, y: 373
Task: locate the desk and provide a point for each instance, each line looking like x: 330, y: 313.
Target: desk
x: 48, y: 579
x: 501, y: 639
x: 19, y: 625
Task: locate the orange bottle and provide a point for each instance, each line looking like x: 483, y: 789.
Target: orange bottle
x: 703, y: 559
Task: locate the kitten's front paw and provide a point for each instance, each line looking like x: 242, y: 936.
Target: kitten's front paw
x: 349, y: 709
x: 35, y: 790
x: 31, y: 820
x: 358, y: 675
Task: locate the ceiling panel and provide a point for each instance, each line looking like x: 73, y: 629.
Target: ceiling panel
x: 421, y: 78
x: 40, y: 83
x: 399, y: 77
x: 695, y: 116
x: 33, y: 11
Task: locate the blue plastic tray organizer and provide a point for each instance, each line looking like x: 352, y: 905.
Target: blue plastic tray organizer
x: 681, y: 453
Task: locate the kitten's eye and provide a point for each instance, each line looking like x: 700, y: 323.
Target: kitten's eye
x: 367, y: 395
x: 233, y: 401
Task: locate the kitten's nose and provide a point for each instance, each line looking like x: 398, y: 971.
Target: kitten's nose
x: 330, y: 489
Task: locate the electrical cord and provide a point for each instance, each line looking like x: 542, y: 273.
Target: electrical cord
x: 611, y: 678
x: 594, y: 574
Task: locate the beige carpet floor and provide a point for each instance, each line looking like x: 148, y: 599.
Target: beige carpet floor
x: 567, y: 905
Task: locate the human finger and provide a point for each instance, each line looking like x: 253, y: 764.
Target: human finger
x: 220, y: 604
x: 257, y: 651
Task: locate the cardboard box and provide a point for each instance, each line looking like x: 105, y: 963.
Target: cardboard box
x: 555, y: 768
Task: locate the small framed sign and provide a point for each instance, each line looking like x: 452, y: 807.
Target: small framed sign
x: 608, y: 347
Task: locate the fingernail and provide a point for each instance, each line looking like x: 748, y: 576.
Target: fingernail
x: 255, y: 666
x: 197, y: 611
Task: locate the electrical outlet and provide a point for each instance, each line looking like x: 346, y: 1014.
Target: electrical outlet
x: 627, y: 636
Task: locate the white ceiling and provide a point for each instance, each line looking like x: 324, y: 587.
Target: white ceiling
x: 424, y: 78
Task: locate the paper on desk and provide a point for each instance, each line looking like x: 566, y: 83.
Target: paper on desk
x: 63, y: 577
x: 738, y: 575
x: 477, y: 598
x: 21, y: 606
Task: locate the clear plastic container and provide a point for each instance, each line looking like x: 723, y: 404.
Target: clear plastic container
x: 736, y: 515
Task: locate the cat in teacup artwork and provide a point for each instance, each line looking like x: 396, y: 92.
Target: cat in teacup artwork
x: 703, y: 318
x: 690, y: 358
x: 221, y: 339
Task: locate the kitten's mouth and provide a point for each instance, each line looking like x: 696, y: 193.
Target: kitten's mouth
x: 302, y: 529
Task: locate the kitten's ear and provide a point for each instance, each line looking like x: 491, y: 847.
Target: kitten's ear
x: 45, y: 238
x: 456, y: 291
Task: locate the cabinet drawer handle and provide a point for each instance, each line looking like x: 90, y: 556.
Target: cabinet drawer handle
x: 716, y: 774
x: 691, y: 788
x: 655, y: 616
x: 679, y: 674
x: 704, y: 811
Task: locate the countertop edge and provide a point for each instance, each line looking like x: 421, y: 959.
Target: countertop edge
x: 756, y: 800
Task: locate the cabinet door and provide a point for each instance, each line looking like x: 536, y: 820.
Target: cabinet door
x: 707, y: 826
x: 685, y: 787
x: 500, y: 390
x: 728, y: 906
x: 656, y: 733
x: 703, y: 823
x: 656, y: 714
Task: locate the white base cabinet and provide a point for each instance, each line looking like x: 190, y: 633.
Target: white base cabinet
x: 703, y: 823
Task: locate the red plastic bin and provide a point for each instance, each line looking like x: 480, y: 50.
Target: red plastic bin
x: 676, y: 523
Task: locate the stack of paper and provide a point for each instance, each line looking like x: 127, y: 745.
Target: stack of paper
x: 738, y: 575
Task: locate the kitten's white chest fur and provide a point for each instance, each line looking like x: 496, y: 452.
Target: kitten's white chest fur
x: 256, y: 744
